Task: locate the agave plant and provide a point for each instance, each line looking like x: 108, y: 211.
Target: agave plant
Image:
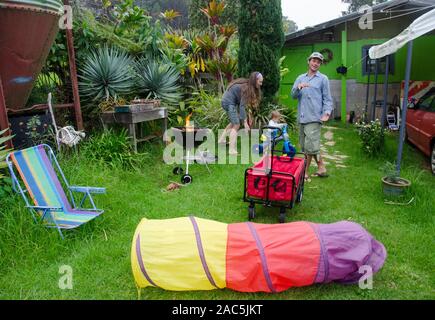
x: 3, y: 151
x: 106, y: 73
x: 158, y: 80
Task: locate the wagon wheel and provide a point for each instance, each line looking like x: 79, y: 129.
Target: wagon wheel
x: 281, y: 217
x: 251, y: 212
x: 186, y: 179
x: 300, y: 194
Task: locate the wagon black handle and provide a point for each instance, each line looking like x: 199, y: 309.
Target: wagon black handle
x: 274, y: 128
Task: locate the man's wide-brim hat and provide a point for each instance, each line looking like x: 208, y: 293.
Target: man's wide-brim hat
x: 317, y: 55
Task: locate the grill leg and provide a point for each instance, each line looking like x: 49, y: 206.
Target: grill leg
x: 187, y: 161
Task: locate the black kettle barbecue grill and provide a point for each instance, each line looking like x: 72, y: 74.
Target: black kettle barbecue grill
x: 185, y: 137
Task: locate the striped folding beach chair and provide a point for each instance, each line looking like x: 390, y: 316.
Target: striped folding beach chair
x: 40, y: 186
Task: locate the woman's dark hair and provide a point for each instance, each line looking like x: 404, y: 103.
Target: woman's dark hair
x: 250, y: 93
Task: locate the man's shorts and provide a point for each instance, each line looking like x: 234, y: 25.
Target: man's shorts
x: 232, y: 113
x: 309, y: 137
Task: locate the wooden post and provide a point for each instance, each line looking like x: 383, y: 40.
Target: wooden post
x: 73, y: 74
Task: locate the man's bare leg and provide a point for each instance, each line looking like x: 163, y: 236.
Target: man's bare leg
x: 320, y: 164
x: 307, y: 167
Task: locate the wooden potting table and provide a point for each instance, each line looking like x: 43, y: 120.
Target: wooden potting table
x: 132, y: 120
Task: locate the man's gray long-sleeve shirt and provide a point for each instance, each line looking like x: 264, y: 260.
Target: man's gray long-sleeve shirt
x: 314, y: 101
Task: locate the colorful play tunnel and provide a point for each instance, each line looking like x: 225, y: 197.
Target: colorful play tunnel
x: 190, y: 253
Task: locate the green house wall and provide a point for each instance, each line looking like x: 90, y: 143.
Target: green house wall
x: 423, y: 67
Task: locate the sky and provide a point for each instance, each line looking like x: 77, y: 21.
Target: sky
x: 312, y: 12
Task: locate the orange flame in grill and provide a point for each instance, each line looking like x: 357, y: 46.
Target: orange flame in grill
x: 189, y: 127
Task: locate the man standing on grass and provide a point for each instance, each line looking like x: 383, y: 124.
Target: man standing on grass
x: 314, y: 107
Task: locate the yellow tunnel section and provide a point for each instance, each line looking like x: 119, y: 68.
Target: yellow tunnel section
x: 180, y: 254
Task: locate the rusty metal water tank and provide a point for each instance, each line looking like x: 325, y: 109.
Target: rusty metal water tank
x: 27, y: 31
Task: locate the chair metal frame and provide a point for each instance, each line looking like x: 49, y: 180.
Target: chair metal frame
x: 87, y: 193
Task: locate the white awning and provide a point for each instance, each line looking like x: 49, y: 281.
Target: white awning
x: 420, y: 26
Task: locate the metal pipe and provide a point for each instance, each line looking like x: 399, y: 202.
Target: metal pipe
x: 376, y: 89
x: 368, y: 92
x: 73, y: 75
x: 384, y: 106
x: 405, y: 107
x: 343, y: 76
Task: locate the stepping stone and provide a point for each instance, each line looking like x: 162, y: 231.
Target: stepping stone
x: 330, y: 143
x: 327, y: 156
x: 340, y: 166
x: 328, y: 135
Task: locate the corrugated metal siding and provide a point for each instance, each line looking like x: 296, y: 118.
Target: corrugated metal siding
x: 52, y: 5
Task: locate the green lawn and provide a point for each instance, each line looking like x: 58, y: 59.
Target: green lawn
x: 99, y: 253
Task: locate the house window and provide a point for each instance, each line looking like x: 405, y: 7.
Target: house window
x: 369, y: 64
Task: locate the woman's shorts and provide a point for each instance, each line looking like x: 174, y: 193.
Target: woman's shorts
x: 309, y: 137
x: 232, y: 113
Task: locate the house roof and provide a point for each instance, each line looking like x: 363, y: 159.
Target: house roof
x: 349, y: 17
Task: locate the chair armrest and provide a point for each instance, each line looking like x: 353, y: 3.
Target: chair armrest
x: 45, y: 208
x: 87, y: 189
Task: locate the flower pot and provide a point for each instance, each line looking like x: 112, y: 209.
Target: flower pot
x: 395, y: 188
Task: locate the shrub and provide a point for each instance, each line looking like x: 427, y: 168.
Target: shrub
x: 112, y: 149
x: 372, y: 137
x: 5, y: 183
x: 261, y: 116
x: 209, y: 112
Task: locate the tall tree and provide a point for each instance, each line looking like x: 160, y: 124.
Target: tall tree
x: 354, y: 5
x: 261, y: 39
x: 288, y: 25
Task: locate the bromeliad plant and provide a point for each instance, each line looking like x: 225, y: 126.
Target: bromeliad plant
x: 107, y: 73
x: 214, y: 11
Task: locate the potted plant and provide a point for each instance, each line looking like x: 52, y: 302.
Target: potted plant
x: 393, y: 184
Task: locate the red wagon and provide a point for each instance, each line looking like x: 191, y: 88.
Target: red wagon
x: 275, y: 181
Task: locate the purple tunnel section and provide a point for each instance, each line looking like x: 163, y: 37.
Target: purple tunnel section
x: 345, y: 247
